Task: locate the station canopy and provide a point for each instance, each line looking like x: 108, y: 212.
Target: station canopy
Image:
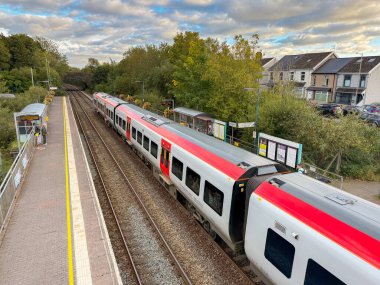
x: 32, y: 112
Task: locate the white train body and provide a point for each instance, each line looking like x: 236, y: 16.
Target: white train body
x: 298, y: 232
x: 224, y: 187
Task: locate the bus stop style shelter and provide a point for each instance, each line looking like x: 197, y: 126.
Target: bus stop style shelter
x: 33, y: 115
x: 202, y: 122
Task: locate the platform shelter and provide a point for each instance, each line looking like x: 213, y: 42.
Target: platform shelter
x: 202, y: 122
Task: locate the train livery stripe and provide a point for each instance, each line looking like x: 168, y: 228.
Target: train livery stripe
x: 353, y: 240
x: 210, y: 158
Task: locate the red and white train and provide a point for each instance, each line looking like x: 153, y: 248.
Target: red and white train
x: 294, y: 229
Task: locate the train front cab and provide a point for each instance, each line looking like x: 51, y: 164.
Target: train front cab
x: 286, y: 251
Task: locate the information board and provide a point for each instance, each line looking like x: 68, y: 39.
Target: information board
x: 280, y: 150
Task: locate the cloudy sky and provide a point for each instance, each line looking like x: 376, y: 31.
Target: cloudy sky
x: 104, y: 29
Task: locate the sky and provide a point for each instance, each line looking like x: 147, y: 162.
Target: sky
x: 105, y: 29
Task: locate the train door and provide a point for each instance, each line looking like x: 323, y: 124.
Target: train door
x: 128, y: 128
x: 165, y: 157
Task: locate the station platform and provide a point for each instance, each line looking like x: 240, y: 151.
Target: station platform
x: 56, y: 233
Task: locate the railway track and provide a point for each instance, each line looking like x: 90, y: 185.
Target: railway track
x: 150, y: 257
x: 202, y: 257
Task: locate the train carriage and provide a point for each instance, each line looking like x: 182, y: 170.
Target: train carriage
x: 302, y: 231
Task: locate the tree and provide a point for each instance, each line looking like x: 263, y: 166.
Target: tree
x: 5, y: 56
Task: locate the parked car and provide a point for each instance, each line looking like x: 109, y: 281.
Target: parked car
x: 373, y: 108
x: 349, y: 109
x: 330, y: 109
x: 374, y: 120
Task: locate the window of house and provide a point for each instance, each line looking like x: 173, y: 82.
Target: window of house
x: 326, y: 80
x: 347, y: 81
x: 177, y: 168
x: 362, y: 80
x: 193, y: 180
x: 153, y: 149
x: 303, y: 76
x: 271, y: 76
x: 213, y: 197
x: 314, y: 79
x: 139, y: 137
x: 133, y: 133
x: 281, y: 75
x: 292, y: 75
x: 146, y: 143
x: 279, y: 252
x: 316, y: 274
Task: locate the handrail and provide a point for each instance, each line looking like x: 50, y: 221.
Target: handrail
x: 20, y: 153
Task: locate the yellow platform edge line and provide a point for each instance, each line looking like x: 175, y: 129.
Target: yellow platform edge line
x: 68, y: 206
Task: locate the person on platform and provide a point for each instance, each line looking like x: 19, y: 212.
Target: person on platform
x: 44, y: 133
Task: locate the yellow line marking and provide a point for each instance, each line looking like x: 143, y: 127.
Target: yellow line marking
x: 68, y: 212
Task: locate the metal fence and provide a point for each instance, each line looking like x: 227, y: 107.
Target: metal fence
x: 323, y: 175
x: 14, y: 177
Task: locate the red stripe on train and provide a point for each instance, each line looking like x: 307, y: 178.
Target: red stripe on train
x: 355, y: 241
x: 212, y: 159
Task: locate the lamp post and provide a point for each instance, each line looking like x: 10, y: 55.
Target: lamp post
x: 360, y: 81
x: 142, y: 81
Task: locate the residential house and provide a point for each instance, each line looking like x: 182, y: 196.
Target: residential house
x: 358, y: 82
x: 266, y: 63
x: 298, y: 69
x: 323, y: 80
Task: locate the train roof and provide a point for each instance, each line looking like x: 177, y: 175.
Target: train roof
x: 350, y: 209
x: 240, y: 157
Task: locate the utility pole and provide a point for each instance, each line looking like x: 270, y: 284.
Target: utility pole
x: 360, y: 81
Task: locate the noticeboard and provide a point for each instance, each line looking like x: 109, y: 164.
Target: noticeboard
x: 280, y: 150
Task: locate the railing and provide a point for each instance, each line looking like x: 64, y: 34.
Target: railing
x: 323, y: 175
x: 248, y: 146
x: 14, y: 177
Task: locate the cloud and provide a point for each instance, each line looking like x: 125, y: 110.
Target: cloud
x: 107, y: 28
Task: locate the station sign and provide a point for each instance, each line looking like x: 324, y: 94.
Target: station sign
x: 246, y: 125
x: 232, y: 124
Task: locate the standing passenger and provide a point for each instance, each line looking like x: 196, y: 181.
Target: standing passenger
x: 44, y: 133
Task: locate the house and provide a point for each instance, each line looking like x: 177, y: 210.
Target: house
x: 266, y: 63
x: 298, y: 69
x: 323, y: 80
x: 358, y: 82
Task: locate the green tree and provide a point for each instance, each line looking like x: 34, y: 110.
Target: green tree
x: 5, y: 56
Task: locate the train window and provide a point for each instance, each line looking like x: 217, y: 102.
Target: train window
x: 133, y: 133
x: 213, y: 197
x: 177, y: 168
x: 193, y: 180
x: 146, y: 143
x: 117, y: 120
x: 124, y: 125
x: 153, y: 149
x: 316, y: 274
x: 279, y: 252
x: 139, y: 137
